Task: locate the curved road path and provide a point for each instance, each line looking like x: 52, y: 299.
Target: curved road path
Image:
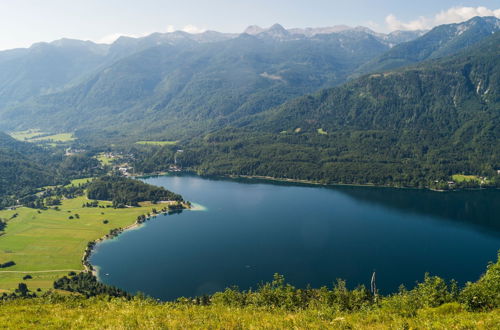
x: 40, y: 271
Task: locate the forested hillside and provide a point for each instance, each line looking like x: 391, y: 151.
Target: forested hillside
x: 444, y: 40
x: 21, y: 165
x: 406, y: 127
x: 180, y: 90
x: 50, y: 67
x: 25, y: 167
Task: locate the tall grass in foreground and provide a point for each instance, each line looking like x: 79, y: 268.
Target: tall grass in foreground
x: 431, y: 304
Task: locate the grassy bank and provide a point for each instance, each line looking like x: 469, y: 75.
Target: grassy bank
x: 103, y: 313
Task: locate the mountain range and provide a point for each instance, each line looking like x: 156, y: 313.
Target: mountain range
x: 204, y: 75
x: 335, y: 104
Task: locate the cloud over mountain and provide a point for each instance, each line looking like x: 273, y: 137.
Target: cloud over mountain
x: 452, y: 15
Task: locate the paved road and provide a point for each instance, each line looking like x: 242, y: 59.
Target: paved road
x: 40, y: 271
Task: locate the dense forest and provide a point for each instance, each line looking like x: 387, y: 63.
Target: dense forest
x: 124, y: 191
x: 87, y: 285
x: 410, y: 127
x: 21, y: 166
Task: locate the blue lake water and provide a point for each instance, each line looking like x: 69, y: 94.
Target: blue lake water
x: 250, y: 230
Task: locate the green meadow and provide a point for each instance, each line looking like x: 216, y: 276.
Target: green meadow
x: 61, y: 137
x: 465, y: 178
x: 35, y: 135
x: 322, y: 131
x: 26, y: 135
x: 104, y: 160
x: 47, y: 243
x: 158, y: 143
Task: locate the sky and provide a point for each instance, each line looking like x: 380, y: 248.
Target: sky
x: 24, y: 22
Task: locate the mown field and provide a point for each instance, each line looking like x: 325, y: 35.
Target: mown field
x: 104, y: 159
x: 34, y: 135
x: 105, y: 313
x: 42, y: 242
x: 61, y: 137
x: 157, y: 143
x: 465, y: 178
x: 26, y: 135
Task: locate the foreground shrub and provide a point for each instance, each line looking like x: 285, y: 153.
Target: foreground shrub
x: 484, y: 294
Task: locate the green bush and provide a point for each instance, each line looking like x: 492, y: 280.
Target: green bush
x: 484, y: 294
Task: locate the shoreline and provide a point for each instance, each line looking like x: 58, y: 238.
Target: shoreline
x: 371, y: 185
x: 306, y: 182
x: 310, y: 182
x: 113, y: 233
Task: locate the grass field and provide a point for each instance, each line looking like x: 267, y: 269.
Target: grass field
x: 103, y: 313
x: 465, y: 178
x: 322, y: 132
x: 26, y: 135
x: 62, y: 137
x: 78, y: 182
x: 47, y: 240
x: 104, y: 159
x: 35, y: 135
x: 158, y: 143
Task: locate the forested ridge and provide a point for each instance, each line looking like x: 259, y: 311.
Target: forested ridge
x: 442, y: 41
x: 21, y: 165
x: 195, y: 87
x: 124, y: 191
x: 411, y: 127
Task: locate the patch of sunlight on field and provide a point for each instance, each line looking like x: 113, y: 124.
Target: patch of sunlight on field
x: 465, y: 178
x: 322, y: 132
x: 104, y: 159
x: 158, y: 143
x: 35, y: 135
x: 26, y: 135
x: 78, y: 182
x: 61, y: 137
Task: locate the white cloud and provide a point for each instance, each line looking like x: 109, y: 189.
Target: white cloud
x: 170, y: 29
x: 394, y: 24
x: 193, y: 29
x: 452, y: 15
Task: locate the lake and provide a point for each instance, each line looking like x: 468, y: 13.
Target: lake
x: 247, y: 230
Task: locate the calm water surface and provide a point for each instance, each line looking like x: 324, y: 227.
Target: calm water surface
x: 313, y: 235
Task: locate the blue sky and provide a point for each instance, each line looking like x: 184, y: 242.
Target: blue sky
x: 24, y: 22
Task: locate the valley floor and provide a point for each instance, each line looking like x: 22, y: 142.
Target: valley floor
x: 47, y: 244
